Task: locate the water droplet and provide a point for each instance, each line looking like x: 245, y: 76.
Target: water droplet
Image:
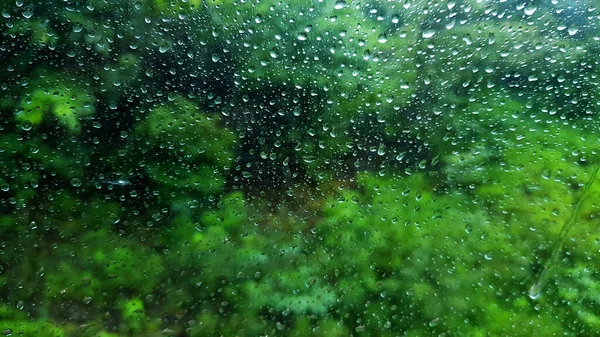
x: 302, y: 37
x: 367, y: 55
x: 215, y: 57
x: 382, y: 38
x: 429, y: 33
x: 7, y: 332
x: 381, y: 149
x: 27, y: 12
x: 273, y: 53
x: 75, y: 182
x: 26, y: 126
x: 535, y: 291
x: 309, y: 159
x: 468, y: 228
x: 529, y: 10
x: 163, y: 49
x: 434, y: 322
x: 572, y: 31
x: 546, y: 173
x: 340, y: 4
x: 395, y: 19
x: 114, y: 218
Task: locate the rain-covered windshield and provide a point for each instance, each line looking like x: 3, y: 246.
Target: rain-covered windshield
x: 299, y: 168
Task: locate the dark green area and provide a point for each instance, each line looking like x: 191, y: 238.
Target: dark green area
x: 299, y: 168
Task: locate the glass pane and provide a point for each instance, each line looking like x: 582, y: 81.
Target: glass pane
x: 303, y: 167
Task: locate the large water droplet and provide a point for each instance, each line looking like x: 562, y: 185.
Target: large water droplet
x: 429, y: 33
x: 27, y: 12
x: 529, y: 10
x: 340, y: 4
x: 75, y: 182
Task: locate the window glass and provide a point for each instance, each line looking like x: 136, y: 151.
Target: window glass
x: 299, y: 168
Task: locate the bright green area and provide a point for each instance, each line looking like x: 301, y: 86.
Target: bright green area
x: 299, y: 168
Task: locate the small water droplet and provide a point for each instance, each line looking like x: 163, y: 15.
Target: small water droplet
x: 381, y: 149
x: 546, y: 173
x: 302, y: 37
x: 75, y: 182
x: 535, y: 291
x: 382, y: 38
x: 429, y: 33
x: 340, y: 4
x: 309, y: 159
x: 114, y: 218
x: 529, y: 10
x: 26, y: 126
x: 572, y: 31
x: 27, y: 12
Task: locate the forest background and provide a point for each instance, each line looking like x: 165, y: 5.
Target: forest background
x: 295, y: 168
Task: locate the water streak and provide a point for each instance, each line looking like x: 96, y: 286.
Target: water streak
x: 537, y: 288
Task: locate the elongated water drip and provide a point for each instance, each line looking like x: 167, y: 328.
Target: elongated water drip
x: 537, y: 288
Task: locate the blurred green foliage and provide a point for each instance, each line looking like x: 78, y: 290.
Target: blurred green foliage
x: 245, y: 168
